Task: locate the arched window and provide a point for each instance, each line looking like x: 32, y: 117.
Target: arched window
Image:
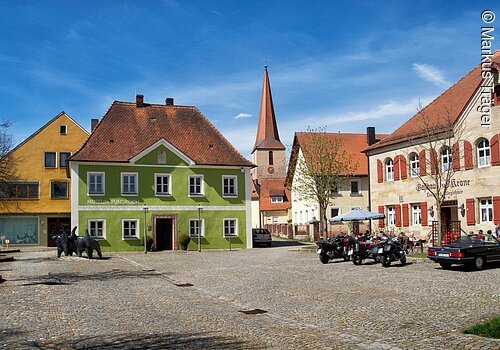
x: 483, y: 153
x: 445, y: 159
x: 414, y: 165
x: 271, y: 158
x: 389, y: 170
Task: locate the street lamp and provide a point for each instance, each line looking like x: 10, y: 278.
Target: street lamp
x: 146, y: 209
x: 199, y: 227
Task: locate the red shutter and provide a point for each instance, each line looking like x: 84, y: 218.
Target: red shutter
x: 380, y: 173
x: 423, y: 208
x: 396, y: 168
x: 422, y: 163
x: 406, y: 221
x: 496, y: 210
x: 455, y: 155
x: 471, y: 212
x: 495, y: 151
x: 434, y: 161
x: 381, y: 211
x: 468, y: 155
x: 404, y: 168
x: 397, y: 207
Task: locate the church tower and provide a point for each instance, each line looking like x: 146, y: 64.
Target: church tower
x: 268, y: 152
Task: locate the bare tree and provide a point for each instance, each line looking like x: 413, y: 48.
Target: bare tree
x: 8, y: 169
x: 324, y: 166
x: 436, y: 140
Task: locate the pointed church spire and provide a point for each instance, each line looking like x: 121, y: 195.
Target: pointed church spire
x: 267, y: 131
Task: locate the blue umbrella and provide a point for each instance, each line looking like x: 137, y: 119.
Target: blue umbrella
x: 357, y: 215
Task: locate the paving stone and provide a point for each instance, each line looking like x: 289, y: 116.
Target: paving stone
x: 131, y: 300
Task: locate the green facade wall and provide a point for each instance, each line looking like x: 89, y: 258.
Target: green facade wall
x: 113, y: 207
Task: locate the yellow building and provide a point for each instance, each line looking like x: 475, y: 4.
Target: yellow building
x: 37, y: 204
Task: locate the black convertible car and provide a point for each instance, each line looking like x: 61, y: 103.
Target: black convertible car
x: 470, y: 250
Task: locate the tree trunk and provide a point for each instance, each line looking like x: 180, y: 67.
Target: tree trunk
x: 440, y: 224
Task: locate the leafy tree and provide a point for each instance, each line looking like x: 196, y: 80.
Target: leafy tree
x: 322, y: 166
x: 8, y: 170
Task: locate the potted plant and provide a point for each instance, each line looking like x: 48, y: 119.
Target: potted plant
x: 184, y: 240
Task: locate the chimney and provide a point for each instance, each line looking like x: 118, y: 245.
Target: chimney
x: 169, y: 101
x: 93, y: 124
x: 139, y: 100
x: 370, y: 135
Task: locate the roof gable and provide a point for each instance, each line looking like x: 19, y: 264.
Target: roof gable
x: 62, y: 118
x: 126, y: 130
x: 450, y: 105
x: 353, y: 144
x: 151, y: 155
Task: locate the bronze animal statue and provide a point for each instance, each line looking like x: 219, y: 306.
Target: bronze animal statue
x: 86, y: 244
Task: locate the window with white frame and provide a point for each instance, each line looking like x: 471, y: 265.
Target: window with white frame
x: 391, y: 216
x: 195, y: 185
x: 445, y: 159
x: 229, y: 186
x: 97, y: 228
x: 307, y: 215
x: 300, y: 217
x: 95, y: 183
x: 486, y: 210
x: 275, y: 219
x: 389, y: 170
x: 335, y: 189
x: 416, y: 214
x: 129, y: 183
x: 230, y: 227
x: 130, y: 228
x: 63, y: 129
x: 162, y: 184
x: 196, y: 227
x: 483, y: 153
x: 355, y: 187
x: 414, y: 165
x: 296, y: 217
x: 276, y: 199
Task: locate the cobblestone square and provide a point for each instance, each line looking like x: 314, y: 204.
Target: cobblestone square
x: 194, y: 300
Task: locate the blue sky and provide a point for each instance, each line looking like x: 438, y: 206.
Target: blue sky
x: 340, y: 64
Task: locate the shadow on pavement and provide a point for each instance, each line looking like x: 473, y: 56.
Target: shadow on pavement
x: 54, y: 279
x: 144, y: 341
x: 277, y: 244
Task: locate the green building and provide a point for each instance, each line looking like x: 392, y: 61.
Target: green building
x: 160, y: 171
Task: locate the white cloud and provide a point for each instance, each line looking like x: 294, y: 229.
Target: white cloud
x: 243, y: 115
x: 431, y: 74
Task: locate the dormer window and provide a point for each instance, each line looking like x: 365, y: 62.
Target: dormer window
x: 63, y: 129
x: 276, y: 199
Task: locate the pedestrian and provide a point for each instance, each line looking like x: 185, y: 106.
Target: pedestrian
x: 497, y: 231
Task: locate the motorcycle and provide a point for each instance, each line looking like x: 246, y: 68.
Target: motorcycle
x: 391, y: 250
x: 329, y: 249
x: 364, y: 248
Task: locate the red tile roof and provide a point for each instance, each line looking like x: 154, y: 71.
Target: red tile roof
x: 271, y: 187
x: 126, y: 130
x: 352, y: 143
x: 449, y: 105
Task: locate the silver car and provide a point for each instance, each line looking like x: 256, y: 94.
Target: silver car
x: 261, y: 236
